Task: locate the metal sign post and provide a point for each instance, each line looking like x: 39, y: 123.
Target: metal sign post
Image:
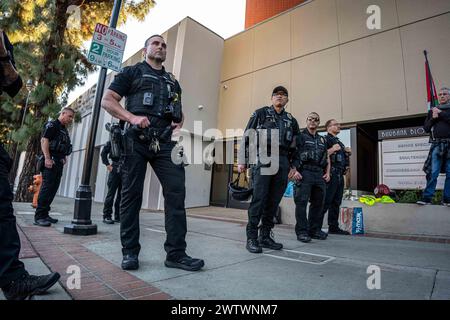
x: 109, y: 52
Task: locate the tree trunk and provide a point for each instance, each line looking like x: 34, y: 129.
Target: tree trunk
x: 29, y: 169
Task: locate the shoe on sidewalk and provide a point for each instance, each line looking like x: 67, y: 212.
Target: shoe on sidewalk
x: 51, y: 220
x: 266, y: 240
x: 130, y: 262
x: 108, y: 220
x: 423, y: 202
x: 446, y: 203
x: 337, y: 230
x: 303, y: 237
x: 319, y: 235
x: 42, y: 223
x: 253, y: 246
x: 186, y: 263
x: 28, y: 286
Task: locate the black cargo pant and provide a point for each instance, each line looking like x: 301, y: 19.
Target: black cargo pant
x: 333, y: 198
x: 268, y: 191
x: 114, y: 187
x: 172, y: 179
x: 10, y: 266
x: 51, y: 179
x: 311, y: 188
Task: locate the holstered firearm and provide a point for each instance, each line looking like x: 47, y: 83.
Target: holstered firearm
x: 116, y: 137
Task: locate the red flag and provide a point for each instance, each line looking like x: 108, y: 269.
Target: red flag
x: 432, y: 100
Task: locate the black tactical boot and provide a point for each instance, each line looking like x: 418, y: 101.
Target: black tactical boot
x: 253, y: 246
x: 186, y: 263
x: 319, y: 235
x: 266, y: 240
x: 337, y: 230
x: 28, y: 286
x: 130, y: 262
x: 108, y: 220
x: 51, y: 220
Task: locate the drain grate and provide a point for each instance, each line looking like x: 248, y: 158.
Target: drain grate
x: 300, y: 256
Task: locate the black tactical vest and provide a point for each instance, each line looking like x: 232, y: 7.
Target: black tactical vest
x: 312, y: 150
x: 154, y: 95
x: 283, y: 122
x: 338, y: 159
x: 60, y: 146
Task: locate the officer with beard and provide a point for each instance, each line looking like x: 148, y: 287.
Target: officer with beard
x: 311, y: 161
x: 152, y: 111
x: 339, y: 158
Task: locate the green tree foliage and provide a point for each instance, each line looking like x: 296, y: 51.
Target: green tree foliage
x: 48, y: 49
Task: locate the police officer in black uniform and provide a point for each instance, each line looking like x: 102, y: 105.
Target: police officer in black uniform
x: 15, y: 282
x: 56, y: 146
x: 268, y: 189
x: 311, y: 161
x: 114, y: 185
x: 340, y: 162
x: 152, y: 110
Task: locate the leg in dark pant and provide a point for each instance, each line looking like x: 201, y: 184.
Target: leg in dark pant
x: 277, y: 188
x: 261, y: 188
x: 172, y: 178
x: 117, y: 202
x: 335, y: 204
x: 133, y: 175
x: 302, y: 193
x: 113, y: 188
x: 10, y: 266
x: 316, y: 206
x: 50, y: 184
x: 331, y: 188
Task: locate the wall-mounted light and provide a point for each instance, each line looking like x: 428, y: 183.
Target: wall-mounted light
x: 225, y: 86
x: 200, y: 107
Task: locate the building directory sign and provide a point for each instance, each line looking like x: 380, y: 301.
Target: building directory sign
x: 107, y: 47
x: 401, y: 162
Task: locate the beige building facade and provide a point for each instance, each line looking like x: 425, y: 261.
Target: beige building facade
x: 324, y: 53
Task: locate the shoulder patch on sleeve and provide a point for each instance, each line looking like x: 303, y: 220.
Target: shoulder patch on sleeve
x: 253, y: 115
x: 289, y: 115
x: 49, y: 125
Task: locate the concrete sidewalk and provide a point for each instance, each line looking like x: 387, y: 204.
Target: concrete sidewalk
x: 332, y: 269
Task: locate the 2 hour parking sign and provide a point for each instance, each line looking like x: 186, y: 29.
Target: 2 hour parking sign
x: 107, y: 48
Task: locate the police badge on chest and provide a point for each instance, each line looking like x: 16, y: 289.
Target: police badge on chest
x: 148, y: 99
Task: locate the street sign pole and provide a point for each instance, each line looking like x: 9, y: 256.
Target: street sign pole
x: 82, y: 223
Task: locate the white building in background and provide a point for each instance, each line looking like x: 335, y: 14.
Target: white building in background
x: 194, y: 56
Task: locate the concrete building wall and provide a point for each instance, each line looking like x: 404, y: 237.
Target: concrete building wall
x: 323, y: 52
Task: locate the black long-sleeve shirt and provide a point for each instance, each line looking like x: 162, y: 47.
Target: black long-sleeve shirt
x: 440, y: 125
x: 105, y: 153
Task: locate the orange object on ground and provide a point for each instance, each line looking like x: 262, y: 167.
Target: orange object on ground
x: 35, y: 188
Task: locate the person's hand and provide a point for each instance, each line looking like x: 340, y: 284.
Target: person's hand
x: 140, y: 121
x: 436, y: 112
x: 336, y: 147
x: 326, y: 177
x: 241, y: 168
x: 49, y: 163
x: 297, y: 177
x: 109, y: 168
x: 291, y: 173
x: 348, y: 150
